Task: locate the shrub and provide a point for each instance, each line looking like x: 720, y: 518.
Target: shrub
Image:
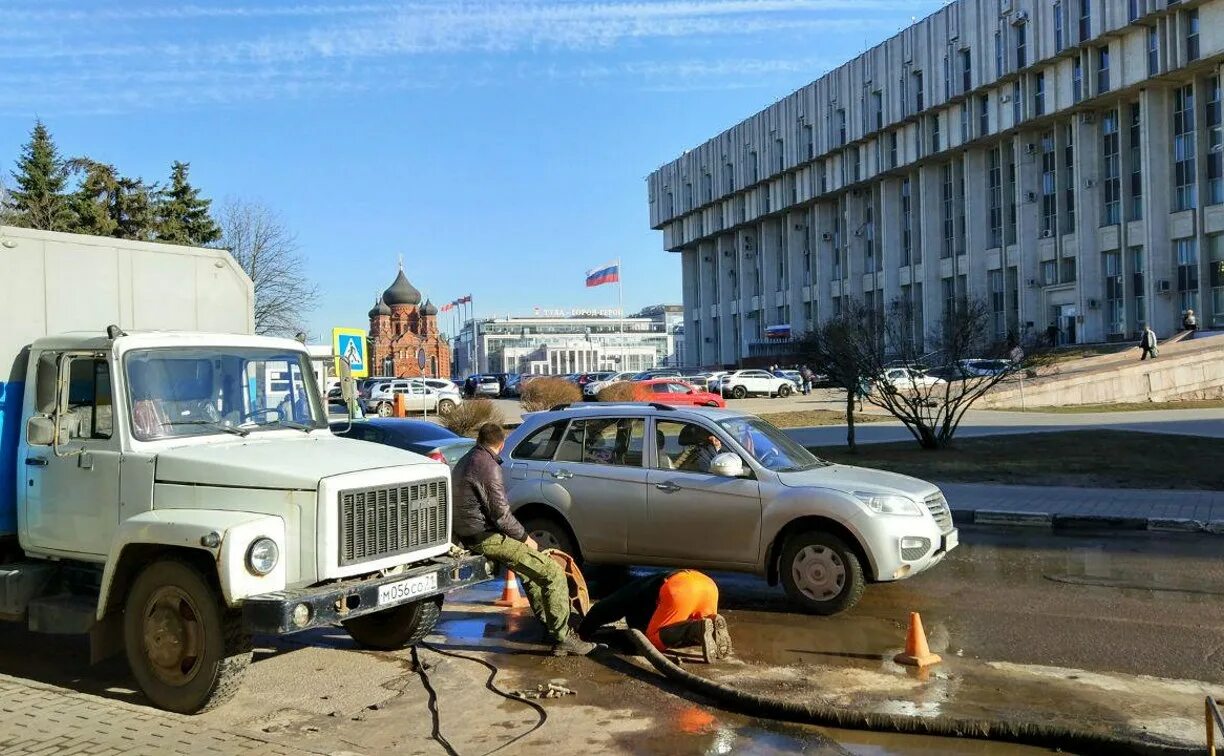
x: 543, y: 393
x: 467, y: 418
x: 621, y: 391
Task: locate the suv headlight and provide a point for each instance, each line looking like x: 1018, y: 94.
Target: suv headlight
x: 889, y: 504
x: 262, y: 556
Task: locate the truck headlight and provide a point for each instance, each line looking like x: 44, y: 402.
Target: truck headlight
x: 889, y: 504
x: 262, y: 556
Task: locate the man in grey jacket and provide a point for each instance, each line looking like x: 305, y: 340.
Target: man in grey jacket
x: 485, y: 525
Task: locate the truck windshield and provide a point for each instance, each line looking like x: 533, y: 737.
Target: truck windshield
x: 175, y: 392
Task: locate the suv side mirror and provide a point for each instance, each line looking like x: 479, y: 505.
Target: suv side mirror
x: 727, y: 465
x: 40, y: 431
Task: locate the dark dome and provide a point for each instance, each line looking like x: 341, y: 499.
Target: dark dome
x: 380, y: 308
x: 401, y: 292
x: 428, y: 308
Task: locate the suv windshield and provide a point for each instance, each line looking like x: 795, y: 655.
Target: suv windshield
x: 177, y: 392
x: 772, y: 449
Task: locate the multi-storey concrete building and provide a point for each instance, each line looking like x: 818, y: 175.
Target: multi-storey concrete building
x: 1060, y: 159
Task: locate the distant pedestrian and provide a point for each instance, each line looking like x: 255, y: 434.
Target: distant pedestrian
x: 805, y: 380
x: 861, y: 391
x: 1052, y: 334
x: 1147, y: 343
x: 1189, y: 321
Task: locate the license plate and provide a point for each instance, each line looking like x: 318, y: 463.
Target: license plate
x: 951, y: 540
x: 404, y: 590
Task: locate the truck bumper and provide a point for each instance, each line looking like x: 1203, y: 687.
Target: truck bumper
x: 281, y: 612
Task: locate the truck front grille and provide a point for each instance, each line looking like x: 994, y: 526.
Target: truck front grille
x: 385, y: 521
x: 937, y: 505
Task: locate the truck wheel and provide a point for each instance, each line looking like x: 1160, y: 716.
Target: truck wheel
x: 445, y: 407
x: 397, y: 627
x: 187, y: 651
x: 821, y: 573
x: 739, y: 392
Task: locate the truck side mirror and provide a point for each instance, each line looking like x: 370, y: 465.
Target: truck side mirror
x: 40, y: 431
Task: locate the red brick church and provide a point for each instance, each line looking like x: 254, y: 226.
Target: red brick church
x: 401, y: 327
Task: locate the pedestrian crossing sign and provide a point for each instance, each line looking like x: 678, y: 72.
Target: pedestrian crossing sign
x: 349, y: 346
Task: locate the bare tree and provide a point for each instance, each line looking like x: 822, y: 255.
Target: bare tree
x: 967, y: 360
x: 262, y: 245
x: 837, y: 348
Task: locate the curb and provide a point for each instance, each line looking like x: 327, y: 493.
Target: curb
x: 1059, y: 522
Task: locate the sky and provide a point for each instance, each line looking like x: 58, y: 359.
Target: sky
x: 500, y: 147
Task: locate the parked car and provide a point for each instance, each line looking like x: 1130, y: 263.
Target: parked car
x: 676, y: 392
x: 592, y: 389
x: 790, y: 375
x: 365, y: 384
x: 419, y: 397
x: 739, y: 384
x: 419, y: 436
x: 585, y: 378
x: 639, y: 484
x: 908, y: 379
x: 978, y: 368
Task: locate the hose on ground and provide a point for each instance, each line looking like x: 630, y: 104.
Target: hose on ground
x: 1042, y: 734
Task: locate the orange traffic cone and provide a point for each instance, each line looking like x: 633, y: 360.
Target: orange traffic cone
x: 401, y: 406
x: 917, y: 653
x: 511, y: 596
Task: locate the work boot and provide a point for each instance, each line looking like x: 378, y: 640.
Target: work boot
x: 692, y: 633
x: 722, y: 638
x: 572, y: 645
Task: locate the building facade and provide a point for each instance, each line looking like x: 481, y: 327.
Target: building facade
x: 560, y: 345
x: 1061, y: 160
x: 404, y: 333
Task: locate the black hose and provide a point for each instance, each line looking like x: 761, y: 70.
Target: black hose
x: 1041, y: 734
x: 419, y: 668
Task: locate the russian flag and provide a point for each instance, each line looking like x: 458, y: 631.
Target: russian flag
x: 605, y: 274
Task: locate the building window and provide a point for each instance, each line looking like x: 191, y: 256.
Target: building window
x: 822, y: 172
x: 1085, y: 20
x: 877, y: 104
x: 1059, y: 37
x: 1215, y: 259
x: 967, y: 71
x: 755, y: 164
x: 1049, y: 185
x: 1153, y: 51
x: 935, y: 133
x: 1066, y: 270
x: 688, y: 196
x: 994, y: 190
x: 948, y: 200
x: 780, y: 151
x: 892, y: 149
x: 1103, y: 69
x: 809, y: 138
x: 873, y: 263
x: 1136, y: 261
x: 1185, y: 191
x: 783, y: 273
x: 1013, y: 304
x: 1215, y: 144
x: 1192, y: 35
x: 1136, y: 164
x: 857, y: 155
x: 947, y: 72
x: 998, y: 305
x: 947, y: 288
x: 1039, y: 94
x: 964, y: 121
x: 1115, y: 304
x: 1049, y: 273
x: 919, y: 94
x: 1077, y: 79
x: 729, y: 178
x: 907, y: 223
x: 1010, y: 197
x: 983, y: 115
x: 1132, y: 10
x: 841, y: 127
x: 1187, y: 274
x: 998, y: 48
x: 1021, y: 46
x: 1111, y: 169
x: 1069, y: 178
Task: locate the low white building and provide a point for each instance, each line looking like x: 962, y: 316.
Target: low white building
x: 555, y: 345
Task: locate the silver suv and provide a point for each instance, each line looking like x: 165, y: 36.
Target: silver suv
x: 719, y: 489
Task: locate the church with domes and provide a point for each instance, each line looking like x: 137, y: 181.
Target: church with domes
x: 401, y: 328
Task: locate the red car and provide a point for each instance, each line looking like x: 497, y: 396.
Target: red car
x: 672, y: 391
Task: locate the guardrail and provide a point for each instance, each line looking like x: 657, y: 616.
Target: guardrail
x: 1215, y: 723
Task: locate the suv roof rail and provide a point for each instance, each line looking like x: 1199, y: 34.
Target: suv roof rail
x: 596, y: 405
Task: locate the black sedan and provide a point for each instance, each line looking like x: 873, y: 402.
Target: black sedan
x: 417, y: 436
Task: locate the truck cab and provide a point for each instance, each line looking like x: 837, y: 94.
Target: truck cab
x: 177, y: 493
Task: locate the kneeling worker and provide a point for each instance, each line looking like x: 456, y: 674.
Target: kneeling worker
x: 673, y: 610
x: 485, y: 525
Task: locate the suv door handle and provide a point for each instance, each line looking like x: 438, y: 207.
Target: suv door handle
x: 36, y: 462
x: 667, y: 487
x: 562, y: 474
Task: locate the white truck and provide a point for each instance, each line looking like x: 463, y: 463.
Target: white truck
x: 153, y: 497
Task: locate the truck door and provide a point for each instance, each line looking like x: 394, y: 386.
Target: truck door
x: 71, y: 490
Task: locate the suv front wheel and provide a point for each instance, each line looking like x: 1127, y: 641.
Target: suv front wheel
x: 821, y: 573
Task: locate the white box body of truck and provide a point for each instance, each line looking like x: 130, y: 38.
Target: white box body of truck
x: 168, y: 482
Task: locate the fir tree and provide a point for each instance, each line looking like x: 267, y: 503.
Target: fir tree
x: 94, y: 201
x: 133, y: 210
x: 38, y: 200
x: 182, y: 215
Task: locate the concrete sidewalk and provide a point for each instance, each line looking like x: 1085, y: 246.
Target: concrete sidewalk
x: 1065, y: 507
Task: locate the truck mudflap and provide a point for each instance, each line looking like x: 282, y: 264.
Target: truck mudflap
x: 294, y: 610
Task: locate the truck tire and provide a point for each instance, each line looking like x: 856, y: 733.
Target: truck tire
x: 187, y: 651
x: 821, y: 573
x: 395, y: 628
